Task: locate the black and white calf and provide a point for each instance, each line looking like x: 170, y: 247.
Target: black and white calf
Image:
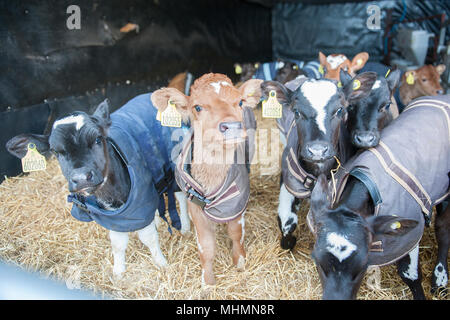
x: 367, y: 116
x: 384, y: 199
x: 313, y: 114
x: 112, y: 163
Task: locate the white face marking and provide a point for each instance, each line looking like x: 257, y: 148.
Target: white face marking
x: 376, y: 85
x: 284, y: 209
x: 77, y: 120
x: 217, y: 85
x: 319, y: 94
x: 412, y: 273
x: 339, y: 246
x: 441, y: 275
x: 336, y: 61
x: 279, y: 65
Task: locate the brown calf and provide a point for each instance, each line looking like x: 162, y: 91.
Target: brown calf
x: 213, y: 101
x: 424, y: 81
x: 335, y: 62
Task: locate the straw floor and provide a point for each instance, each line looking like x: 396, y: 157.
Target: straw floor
x: 37, y: 232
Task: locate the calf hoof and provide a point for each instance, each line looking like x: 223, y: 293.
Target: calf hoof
x: 288, y: 242
x: 240, y: 263
x: 185, y: 230
x: 118, y: 271
x: 160, y: 261
x: 439, y: 291
x: 208, y: 279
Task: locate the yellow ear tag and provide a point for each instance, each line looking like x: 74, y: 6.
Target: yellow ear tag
x: 356, y: 84
x: 271, y: 108
x: 158, y: 115
x: 33, y: 160
x: 321, y: 71
x: 359, y: 62
x: 295, y: 67
x: 396, y: 225
x: 387, y: 73
x: 256, y: 65
x: 171, y: 117
x: 339, y: 84
x: 410, y: 79
x: 238, y: 69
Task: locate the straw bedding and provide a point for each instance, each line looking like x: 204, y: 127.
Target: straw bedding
x: 37, y: 232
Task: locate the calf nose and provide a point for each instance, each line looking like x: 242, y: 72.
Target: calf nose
x: 439, y: 91
x: 318, y: 151
x: 225, y: 126
x: 80, y: 179
x: 366, y: 139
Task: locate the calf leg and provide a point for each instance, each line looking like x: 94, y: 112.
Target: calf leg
x: 149, y: 237
x: 236, y: 232
x: 287, y: 217
x: 184, y: 217
x: 408, y: 269
x: 119, y: 243
x: 442, y: 230
x: 206, y: 242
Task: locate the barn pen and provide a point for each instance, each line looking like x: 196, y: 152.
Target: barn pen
x: 54, y: 62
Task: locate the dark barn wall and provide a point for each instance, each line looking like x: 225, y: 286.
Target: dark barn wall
x: 52, y: 70
x: 300, y: 29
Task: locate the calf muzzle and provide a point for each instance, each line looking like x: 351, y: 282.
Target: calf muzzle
x: 366, y: 139
x: 83, y: 179
x: 231, y: 130
x: 318, y: 151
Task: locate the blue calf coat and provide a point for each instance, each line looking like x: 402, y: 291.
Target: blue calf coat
x: 146, y: 148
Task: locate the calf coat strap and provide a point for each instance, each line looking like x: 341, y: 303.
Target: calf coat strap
x: 230, y: 199
x: 295, y: 178
x: 404, y: 177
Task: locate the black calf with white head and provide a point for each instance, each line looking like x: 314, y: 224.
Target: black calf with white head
x: 344, y: 235
x: 367, y: 116
x: 319, y: 112
x: 93, y: 166
x: 87, y: 161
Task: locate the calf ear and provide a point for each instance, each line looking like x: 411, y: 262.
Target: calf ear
x: 393, y: 79
x: 283, y: 94
x: 344, y: 77
x: 102, y: 113
x: 359, y: 87
x: 323, y: 59
x: 359, y: 61
x: 161, y: 97
x: 251, y: 92
x: 296, y: 83
x: 440, y: 68
x: 18, y: 146
x: 391, y: 225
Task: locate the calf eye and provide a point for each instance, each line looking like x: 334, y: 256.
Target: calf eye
x: 386, y: 106
x: 338, y: 112
x: 98, y: 140
x: 198, y: 108
x: 297, y: 114
x: 241, y: 103
x: 424, y: 80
